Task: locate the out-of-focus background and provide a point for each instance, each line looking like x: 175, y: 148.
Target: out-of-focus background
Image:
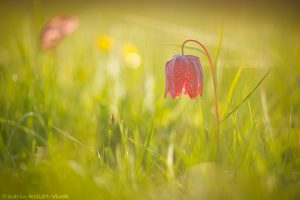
x: 87, y: 119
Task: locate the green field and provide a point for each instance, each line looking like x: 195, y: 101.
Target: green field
x: 87, y: 120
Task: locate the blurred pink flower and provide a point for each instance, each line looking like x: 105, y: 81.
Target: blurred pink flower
x: 56, y: 29
x: 184, y: 73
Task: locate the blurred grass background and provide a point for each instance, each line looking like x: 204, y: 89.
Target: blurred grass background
x: 89, y: 120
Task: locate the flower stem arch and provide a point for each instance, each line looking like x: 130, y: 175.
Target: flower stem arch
x: 213, y: 74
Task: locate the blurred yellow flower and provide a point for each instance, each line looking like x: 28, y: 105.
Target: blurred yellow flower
x: 131, y: 56
x: 105, y: 43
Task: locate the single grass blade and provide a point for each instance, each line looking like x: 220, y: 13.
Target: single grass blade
x: 160, y: 156
x: 20, y: 121
x: 218, y: 50
x: 72, y: 139
x: 231, y: 90
x: 149, y: 136
x: 24, y: 129
x: 250, y: 114
x: 247, y: 97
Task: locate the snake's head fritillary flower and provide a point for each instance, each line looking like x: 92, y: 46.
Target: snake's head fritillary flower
x: 184, y: 74
x: 56, y: 29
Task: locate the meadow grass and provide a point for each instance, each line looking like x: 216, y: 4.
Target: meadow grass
x: 78, y: 121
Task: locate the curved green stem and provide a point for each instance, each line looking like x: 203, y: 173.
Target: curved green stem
x: 213, y: 74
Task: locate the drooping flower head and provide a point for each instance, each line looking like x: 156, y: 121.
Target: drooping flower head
x: 184, y: 74
x: 56, y: 29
